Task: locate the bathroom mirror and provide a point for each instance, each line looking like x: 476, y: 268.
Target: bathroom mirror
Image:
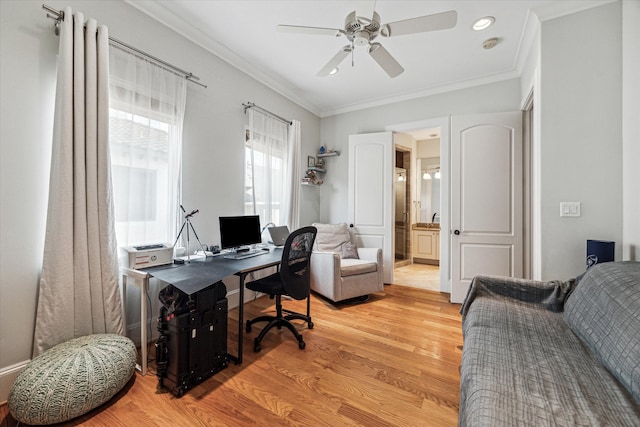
x: 428, y: 190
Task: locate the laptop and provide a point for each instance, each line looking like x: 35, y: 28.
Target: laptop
x: 279, y: 234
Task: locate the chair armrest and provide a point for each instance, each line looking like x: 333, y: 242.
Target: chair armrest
x: 550, y: 295
x: 325, y: 268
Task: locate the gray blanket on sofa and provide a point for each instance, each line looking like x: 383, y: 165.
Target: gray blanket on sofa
x: 523, y: 365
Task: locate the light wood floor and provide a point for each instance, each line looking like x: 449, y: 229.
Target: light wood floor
x: 391, y: 361
x: 423, y: 276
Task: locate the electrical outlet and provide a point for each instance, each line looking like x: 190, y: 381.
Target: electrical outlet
x: 570, y: 209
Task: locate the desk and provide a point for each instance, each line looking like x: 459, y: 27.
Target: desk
x: 193, y: 276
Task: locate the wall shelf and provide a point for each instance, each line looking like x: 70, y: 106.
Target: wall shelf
x: 317, y: 169
x: 329, y: 154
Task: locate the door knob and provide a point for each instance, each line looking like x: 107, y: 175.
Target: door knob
x: 351, y: 225
x: 456, y: 232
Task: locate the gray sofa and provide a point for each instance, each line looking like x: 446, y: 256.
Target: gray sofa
x: 553, y: 353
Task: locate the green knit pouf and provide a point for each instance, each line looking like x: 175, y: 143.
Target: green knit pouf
x: 72, y: 378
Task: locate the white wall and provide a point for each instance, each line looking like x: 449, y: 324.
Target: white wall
x: 335, y: 130
x: 631, y: 130
x: 212, y: 158
x: 581, y: 139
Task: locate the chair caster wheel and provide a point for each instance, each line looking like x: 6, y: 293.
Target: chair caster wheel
x: 301, y: 345
x: 310, y: 325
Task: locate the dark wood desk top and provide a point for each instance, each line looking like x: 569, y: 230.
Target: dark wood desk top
x: 202, y: 272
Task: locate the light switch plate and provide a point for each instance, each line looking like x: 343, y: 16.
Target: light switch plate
x: 570, y: 209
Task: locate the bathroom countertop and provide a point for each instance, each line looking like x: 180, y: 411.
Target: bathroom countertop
x: 429, y: 226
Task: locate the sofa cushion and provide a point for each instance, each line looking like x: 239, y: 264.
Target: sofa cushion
x: 604, y: 311
x: 331, y: 237
x: 351, y: 266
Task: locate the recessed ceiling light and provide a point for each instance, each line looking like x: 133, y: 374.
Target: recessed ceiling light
x: 483, y: 23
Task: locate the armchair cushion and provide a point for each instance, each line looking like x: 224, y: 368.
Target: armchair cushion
x: 349, y: 250
x: 350, y: 267
x: 331, y: 237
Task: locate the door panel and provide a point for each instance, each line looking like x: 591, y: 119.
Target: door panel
x: 486, y: 198
x: 371, y: 194
x: 475, y: 257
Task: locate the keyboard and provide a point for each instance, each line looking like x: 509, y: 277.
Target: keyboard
x: 247, y: 254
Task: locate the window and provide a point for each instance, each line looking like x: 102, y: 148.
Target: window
x: 265, y: 167
x: 145, y: 132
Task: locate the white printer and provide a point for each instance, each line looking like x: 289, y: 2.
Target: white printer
x: 144, y: 256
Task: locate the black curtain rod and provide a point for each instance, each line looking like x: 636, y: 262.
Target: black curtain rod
x: 249, y: 105
x: 58, y: 15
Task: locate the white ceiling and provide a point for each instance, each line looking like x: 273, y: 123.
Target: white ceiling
x: 244, y: 34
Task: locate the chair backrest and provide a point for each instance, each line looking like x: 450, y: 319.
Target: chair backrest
x: 296, y: 262
x: 331, y: 237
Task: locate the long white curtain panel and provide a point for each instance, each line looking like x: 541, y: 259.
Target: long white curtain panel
x: 79, y: 292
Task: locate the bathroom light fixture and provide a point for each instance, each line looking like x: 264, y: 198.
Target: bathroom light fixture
x: 483, y: 23
x: 437, y: 174
x: 426, y: 175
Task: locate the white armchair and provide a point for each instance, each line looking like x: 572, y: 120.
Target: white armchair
x: 338, y: 278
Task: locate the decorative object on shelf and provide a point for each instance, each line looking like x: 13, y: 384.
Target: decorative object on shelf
x: 322, y: 149
x: 312, y: 178
x: 320, y: 163
x: 311, y: 161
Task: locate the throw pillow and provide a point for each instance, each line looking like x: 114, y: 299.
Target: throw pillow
x: 349, y: 250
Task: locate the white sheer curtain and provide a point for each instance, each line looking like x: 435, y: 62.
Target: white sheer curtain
x: 146, y: 117
x: 291, y: 200
x: 267, y: 155
x: 79, y: 292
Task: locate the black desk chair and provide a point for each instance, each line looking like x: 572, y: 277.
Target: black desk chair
x: 293, y: 279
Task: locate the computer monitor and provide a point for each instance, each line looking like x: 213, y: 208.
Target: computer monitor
x: 236, y: 231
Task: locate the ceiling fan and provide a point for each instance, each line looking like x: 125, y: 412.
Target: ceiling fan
x: 361, y: 31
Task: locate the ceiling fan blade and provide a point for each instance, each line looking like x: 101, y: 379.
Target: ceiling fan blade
x: 385, y: 60
x: 335, y: 61
x: 438, y: 21
x: 366, y: 9
x: 310, y: 30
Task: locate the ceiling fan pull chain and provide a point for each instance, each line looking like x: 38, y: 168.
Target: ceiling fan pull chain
x: 353, y: 61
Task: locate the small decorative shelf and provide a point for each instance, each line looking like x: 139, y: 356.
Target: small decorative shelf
x: 310, y: 184
x: 317, y: 169
x: 329, y: 154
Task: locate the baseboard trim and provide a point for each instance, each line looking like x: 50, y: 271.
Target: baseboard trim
x: 8, y: 376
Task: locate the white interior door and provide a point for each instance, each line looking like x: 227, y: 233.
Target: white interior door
x: 486, y: 198
x: 371, y: 194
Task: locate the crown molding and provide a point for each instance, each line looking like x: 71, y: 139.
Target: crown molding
x: 161, y: 13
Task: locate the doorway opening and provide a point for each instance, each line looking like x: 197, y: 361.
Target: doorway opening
x: 417, y: 210
x: 402, y: 196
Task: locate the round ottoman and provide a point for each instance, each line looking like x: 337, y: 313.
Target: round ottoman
x: 72, y: 378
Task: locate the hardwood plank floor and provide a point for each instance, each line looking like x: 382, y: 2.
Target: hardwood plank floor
x: 391, y: 361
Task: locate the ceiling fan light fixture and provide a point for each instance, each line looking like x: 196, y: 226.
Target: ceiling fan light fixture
x: 334, y: 71
x: 483, y: 23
